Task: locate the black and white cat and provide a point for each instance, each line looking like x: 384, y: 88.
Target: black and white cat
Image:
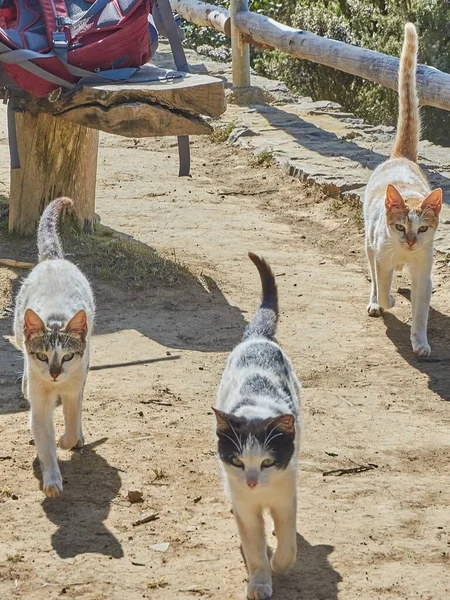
x: 53, y: 321
x: 257, y: 413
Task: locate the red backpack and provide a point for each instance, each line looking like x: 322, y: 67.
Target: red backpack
x: 46, y: 44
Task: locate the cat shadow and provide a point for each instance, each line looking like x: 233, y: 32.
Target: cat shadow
x: 436, y: 367
x: 90, y: 485
x: 311, y: 578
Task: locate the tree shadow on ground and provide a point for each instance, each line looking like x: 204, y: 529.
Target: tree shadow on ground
x: 135, y: 289
x: 90, y: 485
x: 311, y: 578
x: 436, y: 367
x: 328, y: 144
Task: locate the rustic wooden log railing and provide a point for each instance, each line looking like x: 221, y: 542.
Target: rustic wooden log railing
x: 433, y: 86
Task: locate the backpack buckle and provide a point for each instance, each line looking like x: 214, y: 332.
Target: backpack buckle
x: 60, y: 43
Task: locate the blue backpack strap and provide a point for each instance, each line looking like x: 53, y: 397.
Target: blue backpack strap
x: 171, y: 30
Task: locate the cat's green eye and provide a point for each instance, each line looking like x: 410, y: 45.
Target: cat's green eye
x: 237, y: 462
x: 68, y: 357
x: 267, y: 462
x: 41, y: 356
x: 400, y: 227
x: 423, y: 228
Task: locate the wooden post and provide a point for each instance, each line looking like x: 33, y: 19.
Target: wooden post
x: 58, y: 158
x: 240, y: 51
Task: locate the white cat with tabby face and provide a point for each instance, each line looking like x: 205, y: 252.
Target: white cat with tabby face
x: 401, y: 213
x: 53, y: 321
x: 257, y: 417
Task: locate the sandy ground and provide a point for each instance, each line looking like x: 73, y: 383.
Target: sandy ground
x: 158, y: 355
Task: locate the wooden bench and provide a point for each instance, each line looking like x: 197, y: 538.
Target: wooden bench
x: 58, y: 135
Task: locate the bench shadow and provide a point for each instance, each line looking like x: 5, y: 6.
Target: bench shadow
x: 328, y: 144
x: 436, y: 367
x: 311, y: 578
x: 90, y: 485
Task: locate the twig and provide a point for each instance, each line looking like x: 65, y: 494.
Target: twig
x: 156, y: 402
x: 345, y: 400
x: 66, y: 585
x: 146, y: 519
x: 16, y: 263
x: 340, y: 225
x: 351, y: 471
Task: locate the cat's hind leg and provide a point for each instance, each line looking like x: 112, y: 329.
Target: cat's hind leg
x: 373, y: 308
x: 250, y: 523
x: 44, y: 438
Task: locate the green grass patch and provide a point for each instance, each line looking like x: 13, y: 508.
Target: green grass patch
x: 221, y: 132
x: 263, y: 159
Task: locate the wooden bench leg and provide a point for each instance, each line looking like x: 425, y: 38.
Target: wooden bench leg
x: 58, y: 158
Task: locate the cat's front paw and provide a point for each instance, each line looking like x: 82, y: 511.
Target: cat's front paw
x: 283, y: 560
x: 421, y: 349
x: 52, y: 485
x: 259, y: 591
x: 374, y: 309
x: 67, y: 442
x: 388, y: 303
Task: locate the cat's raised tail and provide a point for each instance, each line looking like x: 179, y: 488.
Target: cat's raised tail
x: 264, y: 322
x: 408, y: 125
x: 48, y: 242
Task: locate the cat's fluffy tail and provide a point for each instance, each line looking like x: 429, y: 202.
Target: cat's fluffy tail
x: 48, y: 242
x: 408, y: 125
x: 264, y: 322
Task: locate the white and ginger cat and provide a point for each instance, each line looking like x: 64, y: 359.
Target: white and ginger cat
x: 53, y: 322
x: 401, y: 213
x: 257, y: 413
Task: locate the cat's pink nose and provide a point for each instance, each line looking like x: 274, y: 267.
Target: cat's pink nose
x: 252, y: 483
x: 55, y: 376
x: 410, y: 243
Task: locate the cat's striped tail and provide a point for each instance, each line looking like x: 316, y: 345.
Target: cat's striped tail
x: 48, y: 242
x: 264, y: 323
x: 408, y: 125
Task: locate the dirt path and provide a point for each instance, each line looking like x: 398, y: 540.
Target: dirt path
x: 380, y: 534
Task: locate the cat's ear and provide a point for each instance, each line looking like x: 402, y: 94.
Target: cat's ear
x: 285, y: 423
x: 433, y: 201
x: 78, y: 324
x: 32, y: 323
x: 394, y: 200
x: 223, y: 422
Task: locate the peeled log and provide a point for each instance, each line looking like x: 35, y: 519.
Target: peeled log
x: 58, y: 158
x: 433, y: 86
x: 205, y: 15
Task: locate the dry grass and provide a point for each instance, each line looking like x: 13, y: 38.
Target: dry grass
x: 156, y: 584
x: 160, y: 473
x: 109, y: 256
x: 348, y: 207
